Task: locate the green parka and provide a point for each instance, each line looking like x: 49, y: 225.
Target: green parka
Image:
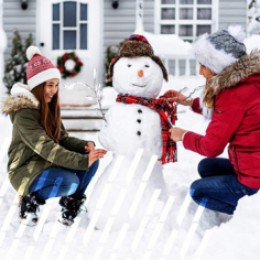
x: 31, y: 150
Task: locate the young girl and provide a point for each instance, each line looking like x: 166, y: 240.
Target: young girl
x: 232, y: 93
x: 45, y: 162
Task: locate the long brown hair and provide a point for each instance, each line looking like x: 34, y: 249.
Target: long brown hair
x: 50, y: 113
x: 209, y: 95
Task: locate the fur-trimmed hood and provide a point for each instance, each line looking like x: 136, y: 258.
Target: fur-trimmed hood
x: 21, y: 97
x: 246, y: 66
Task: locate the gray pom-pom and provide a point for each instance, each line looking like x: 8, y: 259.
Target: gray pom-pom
x: 31, y: 51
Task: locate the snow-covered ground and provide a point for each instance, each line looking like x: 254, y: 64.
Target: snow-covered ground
x: 183, y: 231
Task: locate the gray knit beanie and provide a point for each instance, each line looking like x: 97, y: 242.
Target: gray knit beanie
x: 220, y: 49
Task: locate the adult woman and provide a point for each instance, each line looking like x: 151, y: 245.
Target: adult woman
x: 232, y: 94
x: 44, y: 161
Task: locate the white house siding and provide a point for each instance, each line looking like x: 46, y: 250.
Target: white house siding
x: 14, y: 18
x: 2, y: 49
x: 232, y: 12
x: 120, y: 23
x: 149, y: 15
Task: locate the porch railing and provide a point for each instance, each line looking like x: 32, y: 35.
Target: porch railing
x: 180, y: 65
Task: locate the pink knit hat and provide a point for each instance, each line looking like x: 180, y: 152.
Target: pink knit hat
x: 39, y: 68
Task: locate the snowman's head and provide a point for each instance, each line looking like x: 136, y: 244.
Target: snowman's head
x: 136, y: 70
x: 138, y: 76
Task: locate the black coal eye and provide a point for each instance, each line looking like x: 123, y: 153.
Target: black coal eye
x: 147, y: 66
x: 129, y: 65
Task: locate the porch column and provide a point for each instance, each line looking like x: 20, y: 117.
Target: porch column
x: 139, y: 27
x: 2, y: 49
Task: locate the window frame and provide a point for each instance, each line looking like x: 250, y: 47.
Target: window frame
x: 76, y: 28
x: 194, y: 22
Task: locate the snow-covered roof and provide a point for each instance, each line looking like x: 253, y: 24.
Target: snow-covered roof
x: 168, y: 44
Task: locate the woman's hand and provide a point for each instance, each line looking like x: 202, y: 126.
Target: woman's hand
x: 176, y: 96
x: 89, y: 146
x: 95, y: 154
x: 177, y: 134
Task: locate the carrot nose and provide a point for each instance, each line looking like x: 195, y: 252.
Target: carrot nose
x: 140, y: 73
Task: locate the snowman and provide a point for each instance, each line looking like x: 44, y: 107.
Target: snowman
x: 132, y: 186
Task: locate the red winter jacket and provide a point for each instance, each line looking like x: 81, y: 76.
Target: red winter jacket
x: 235, y: 120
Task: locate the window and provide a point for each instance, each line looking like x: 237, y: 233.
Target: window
x: 70, y: 26
x: 186, y: 18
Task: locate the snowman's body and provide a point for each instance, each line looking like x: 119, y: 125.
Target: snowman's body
x: 131, y: 127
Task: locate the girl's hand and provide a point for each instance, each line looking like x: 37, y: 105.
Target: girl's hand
x: 171, y: 93
x: 95, y: 155
x: 177, y: 134
x: 90, y: 146
x: 176, y: 96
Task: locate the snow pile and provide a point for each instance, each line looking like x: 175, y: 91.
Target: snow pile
x: 170, y: 44
x: 239, y: 238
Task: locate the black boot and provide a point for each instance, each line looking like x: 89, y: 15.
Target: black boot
x: 71, y: 208
x: 29, y: 204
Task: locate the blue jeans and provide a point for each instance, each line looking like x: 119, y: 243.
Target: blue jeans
x: 57, y: 181
x: 219, y: 188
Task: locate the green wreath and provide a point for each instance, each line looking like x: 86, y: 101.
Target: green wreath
x: 69, y: 64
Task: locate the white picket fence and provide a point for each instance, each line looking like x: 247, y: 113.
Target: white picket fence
x: 172, y: 236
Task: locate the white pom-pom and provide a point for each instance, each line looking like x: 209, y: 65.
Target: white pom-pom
x: 31, y: 51
x: 237, y: 32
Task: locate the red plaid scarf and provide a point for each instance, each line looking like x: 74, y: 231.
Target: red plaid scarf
x: 166, y: 110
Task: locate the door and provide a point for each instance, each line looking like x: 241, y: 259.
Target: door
x: 72, y: 26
